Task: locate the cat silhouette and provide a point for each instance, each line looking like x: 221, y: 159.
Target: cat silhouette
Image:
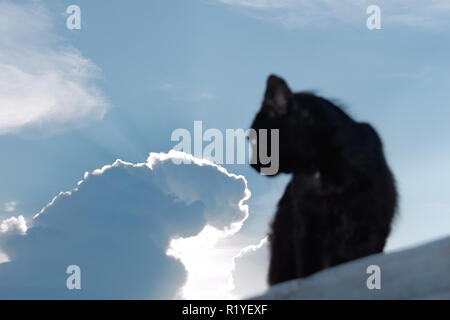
x: 341, y: 199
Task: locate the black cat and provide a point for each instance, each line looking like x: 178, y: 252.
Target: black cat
x: 341, y: 199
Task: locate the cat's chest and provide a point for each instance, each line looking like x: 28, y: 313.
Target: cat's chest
x: 313, y: 191
x: 302, y: 183
x: 309, y: 197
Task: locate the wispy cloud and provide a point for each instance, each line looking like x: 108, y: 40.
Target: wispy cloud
x: 10, y: 206
x: 184, y: 93
x: 166, y: 86
x: 44, y: 84
x: 297, y: 13
x: 262, y: 4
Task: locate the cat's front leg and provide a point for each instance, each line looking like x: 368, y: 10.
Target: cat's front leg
x: 282, y: 252
x: 281, y: 241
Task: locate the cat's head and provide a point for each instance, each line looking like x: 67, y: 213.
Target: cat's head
x: 307, y: 127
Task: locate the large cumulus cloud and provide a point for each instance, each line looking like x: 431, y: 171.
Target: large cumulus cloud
x: 117, y: 225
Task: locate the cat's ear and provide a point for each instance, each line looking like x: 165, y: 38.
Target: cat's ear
x: 278, y: 96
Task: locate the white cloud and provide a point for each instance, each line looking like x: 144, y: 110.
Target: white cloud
x: 10, y: 206
x: 13, y: 225
x: 297, y: 13
x: 117, y: 225
x: 9, y: 227
x: 45, y: 86
x: 3, y: 258
x: 249, y: 270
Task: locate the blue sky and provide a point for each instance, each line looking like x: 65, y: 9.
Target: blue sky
x: 164, y: 64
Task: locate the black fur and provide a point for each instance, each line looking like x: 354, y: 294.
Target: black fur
x: 341, y: 200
